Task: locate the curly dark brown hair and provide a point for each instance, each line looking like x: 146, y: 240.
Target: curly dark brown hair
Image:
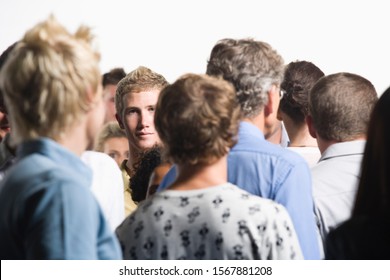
x: 143, y: 168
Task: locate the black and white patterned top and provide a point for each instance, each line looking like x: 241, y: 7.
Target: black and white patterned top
x: 221, y: 222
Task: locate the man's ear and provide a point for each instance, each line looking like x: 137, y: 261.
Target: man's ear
x: 310, y: 125
x: 272, y: 98
x: 279, y: 115
x: 118, y: 119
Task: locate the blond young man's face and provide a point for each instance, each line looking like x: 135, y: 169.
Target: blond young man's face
x: 138, y: 119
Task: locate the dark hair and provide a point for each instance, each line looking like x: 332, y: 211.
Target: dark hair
x: 251, y: 66
x: 113, y: 76
x: 299, y: 78
x: 340, y: 105
x: 3, y: 59
x: 373, y: 196
x: 143, y: 168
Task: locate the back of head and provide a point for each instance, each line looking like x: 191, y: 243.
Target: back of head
x: 138, y: 80
x: 340, y: 105
x: 3, y: 59
x: 46, y: 79
x: 373, y: 197
x: 197, y: 118
x: 299, y: 78
x: 251, y: 66
x: 113, y: 77
x: 4, y: 123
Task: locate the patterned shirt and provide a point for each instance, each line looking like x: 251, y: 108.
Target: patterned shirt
x: 221, y: 222
x: 266, y: 170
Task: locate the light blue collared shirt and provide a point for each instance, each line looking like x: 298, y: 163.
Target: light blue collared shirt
x: 269, y: 171
x: 47, y: 210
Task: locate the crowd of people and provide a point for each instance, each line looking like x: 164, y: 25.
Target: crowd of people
x: 253, y: 159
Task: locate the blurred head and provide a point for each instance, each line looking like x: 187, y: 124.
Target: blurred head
x: 110, y: 81
x: 373, y: 196
x: 253, y: 67
x: 135, y: 103
x: 52, y: 81
x: 4, y: 123
x: 197, y: 118
x: 112, y: 140
x: 299, y: 78
x: 340, y: 106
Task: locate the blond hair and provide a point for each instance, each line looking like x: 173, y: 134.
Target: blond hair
x: 109, y: 130
x: 138, y: 80
x: 48, y: 80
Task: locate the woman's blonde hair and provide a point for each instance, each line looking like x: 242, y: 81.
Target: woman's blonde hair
x: 109, y: 130
x: 48, y: 80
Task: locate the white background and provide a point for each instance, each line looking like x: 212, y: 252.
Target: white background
x: 174, y: 37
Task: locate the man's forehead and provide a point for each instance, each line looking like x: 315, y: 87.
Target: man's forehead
x: 143, y: 93
x: 149, y: 95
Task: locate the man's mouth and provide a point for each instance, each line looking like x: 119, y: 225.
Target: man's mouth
x: 141, y: 134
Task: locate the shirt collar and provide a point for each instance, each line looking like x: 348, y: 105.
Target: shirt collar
x: 247, y: 128
x: 344, y: 149
x: 54, y: 151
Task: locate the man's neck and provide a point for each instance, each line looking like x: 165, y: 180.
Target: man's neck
x: 300, y: 137
x: 325, y: 144
x: 75, y: 139
x: 257, y: 121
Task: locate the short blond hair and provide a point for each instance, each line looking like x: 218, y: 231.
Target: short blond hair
x: 138, y: 80
x: 109, y: 130
x: 48, y: 80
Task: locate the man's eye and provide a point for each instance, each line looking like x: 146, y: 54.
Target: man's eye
x: 131, y: 111
x: 113, y: 155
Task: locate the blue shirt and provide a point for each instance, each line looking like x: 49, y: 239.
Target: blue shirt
x: 47, y: 210
x: 266, y: 170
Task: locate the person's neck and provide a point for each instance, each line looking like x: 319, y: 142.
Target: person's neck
x: 257, y: 121
x: 325, y: 144
x: 192, y: 177
x: 75, y: 139
x: 300, y: 137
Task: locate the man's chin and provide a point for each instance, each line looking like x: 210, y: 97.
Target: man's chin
x: 145, y: 145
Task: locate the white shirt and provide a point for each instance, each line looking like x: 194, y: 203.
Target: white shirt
x: 107, y: 185
x: 310, y: 154
x: 335, y: 181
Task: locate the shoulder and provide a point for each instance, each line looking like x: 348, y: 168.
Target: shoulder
x: 99, y: 161
x: 267, y: 151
